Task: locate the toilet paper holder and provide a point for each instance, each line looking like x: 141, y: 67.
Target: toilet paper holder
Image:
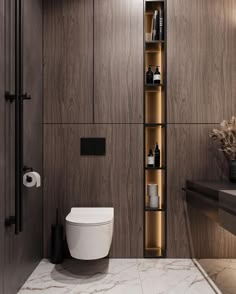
x: 27, y: 169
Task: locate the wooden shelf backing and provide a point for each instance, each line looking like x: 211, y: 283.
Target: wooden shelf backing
x: 148, y: 125
x: 154, y: 209
x: 154, y: 108
x: 154, y: 252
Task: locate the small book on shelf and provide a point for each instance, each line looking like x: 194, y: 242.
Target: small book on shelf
x: 155, y: 26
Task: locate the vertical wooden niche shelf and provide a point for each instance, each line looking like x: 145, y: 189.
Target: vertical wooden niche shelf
x: 155, y: 131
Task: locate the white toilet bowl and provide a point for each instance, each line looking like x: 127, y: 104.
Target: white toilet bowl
x: 89, y: 232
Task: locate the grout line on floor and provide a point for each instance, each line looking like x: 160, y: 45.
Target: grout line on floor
x: 139, y: 276
x: 206, y: 276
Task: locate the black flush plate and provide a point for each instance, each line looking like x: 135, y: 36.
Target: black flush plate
x: 93, y: 146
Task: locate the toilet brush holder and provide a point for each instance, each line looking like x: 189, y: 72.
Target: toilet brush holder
x: 57, y: 242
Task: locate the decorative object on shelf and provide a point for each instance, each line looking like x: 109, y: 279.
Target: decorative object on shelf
x: 157, y: 29
x: 152, y: 189
x: 154, y: 202
x: 155, y: 25
x: 157, y: 156
x: 161, y: 24
x: 149, y: 76
x: 227, y: 138
x: 153, y: 195
x: 157, y: 76
x: 150, y: 159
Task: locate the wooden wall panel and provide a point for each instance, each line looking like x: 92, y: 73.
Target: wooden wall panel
x: 68, y: 61
x: 24, y: 251
x: 114, y: 180
x: 209, y: 239
x: 118, y: 61
x: 201, y: 60
x: 191, y: 155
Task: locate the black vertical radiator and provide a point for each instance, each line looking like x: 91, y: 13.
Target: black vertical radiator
x: 18, y: 98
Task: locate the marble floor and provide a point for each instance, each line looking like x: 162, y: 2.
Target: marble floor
x: 118, y: 276
x: 222, y: 272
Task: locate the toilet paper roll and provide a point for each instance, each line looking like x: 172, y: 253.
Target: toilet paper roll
x: 154, y: 201
x: 152, y: 189
x: 32, y: 179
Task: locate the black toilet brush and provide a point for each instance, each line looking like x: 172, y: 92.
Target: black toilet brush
x: 57, y: 242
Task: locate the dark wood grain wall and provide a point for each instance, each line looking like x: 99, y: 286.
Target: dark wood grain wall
x: 118, y: 62
x: 93, y: 86
x: 68, y: 61
x: 201, y: 72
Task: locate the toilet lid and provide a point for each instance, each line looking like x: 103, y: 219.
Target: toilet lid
x: 90, y: 216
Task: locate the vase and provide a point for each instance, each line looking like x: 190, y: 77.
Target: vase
x: 232, y: 171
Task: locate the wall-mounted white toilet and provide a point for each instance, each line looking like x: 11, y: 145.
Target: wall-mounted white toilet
x: 89, y: 232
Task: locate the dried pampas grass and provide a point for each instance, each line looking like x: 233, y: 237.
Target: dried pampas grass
x: 227, y: 138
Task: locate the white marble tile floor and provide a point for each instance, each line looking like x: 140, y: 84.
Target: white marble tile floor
x: 118, y: 276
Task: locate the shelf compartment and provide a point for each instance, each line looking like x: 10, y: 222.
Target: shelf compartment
x: 154, y: 233
x: 154, y: 253
x: 156, y: 177
x: 155, y: 107
x: 151, y: 6
x: 155, y: 58
x: 153, y: 135
x: 154, y: 46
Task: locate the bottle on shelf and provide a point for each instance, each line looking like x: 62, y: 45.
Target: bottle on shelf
x: 161, y: 24
x: 157, y: 153
x: 157, y: 76
x: 149, y: 76
x: 150, y: 159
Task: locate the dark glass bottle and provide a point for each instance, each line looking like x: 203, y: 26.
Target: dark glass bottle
x: 157, y: 156
x: 157, y: 76
x: 149, y: 76
x: 150, y: 159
